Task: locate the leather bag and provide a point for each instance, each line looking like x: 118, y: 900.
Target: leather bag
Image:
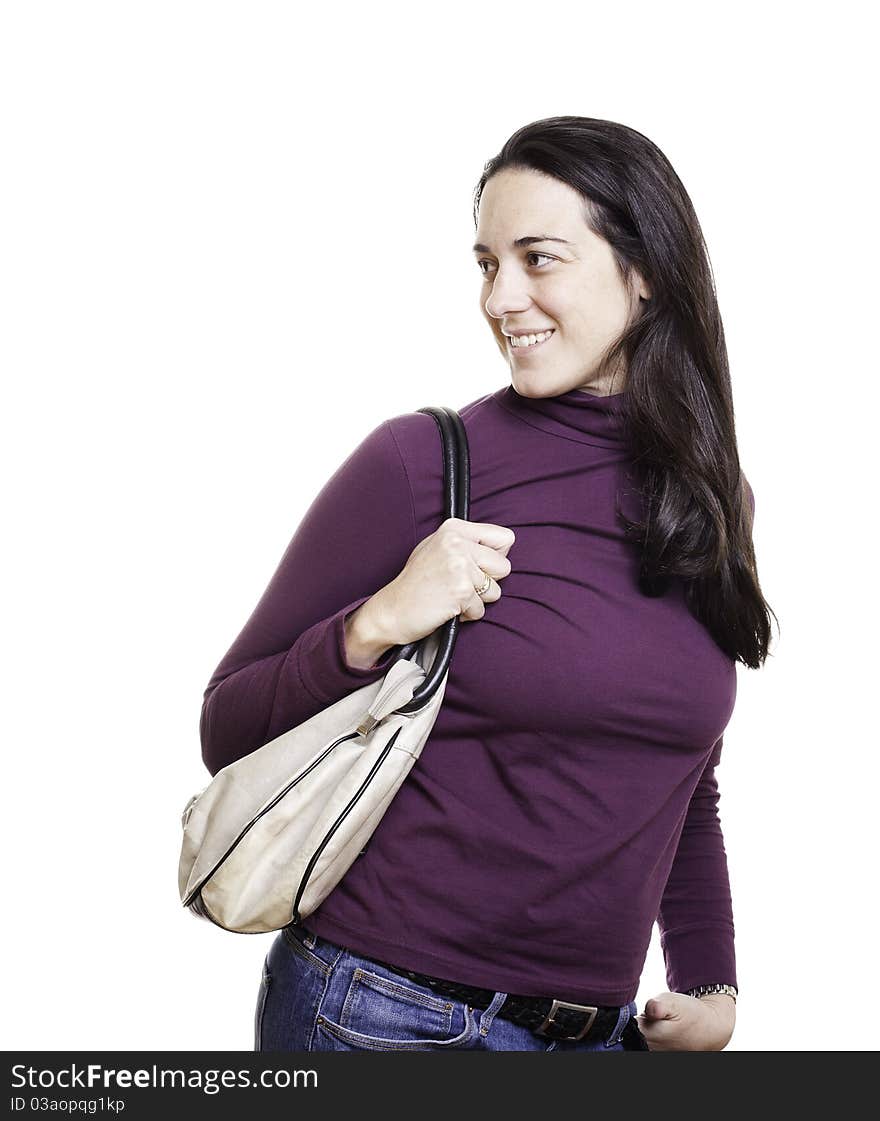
x: 275, y: 831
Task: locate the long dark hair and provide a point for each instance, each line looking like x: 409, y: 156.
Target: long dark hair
x: 678, y: 408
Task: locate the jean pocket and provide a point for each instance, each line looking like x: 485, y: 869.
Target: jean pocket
x: 262, y: 993
x: 380, y: 1014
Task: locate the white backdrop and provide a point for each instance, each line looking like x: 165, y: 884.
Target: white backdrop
x: 229, y: 230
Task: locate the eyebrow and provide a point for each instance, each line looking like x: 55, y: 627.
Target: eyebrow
x: 522, y: 241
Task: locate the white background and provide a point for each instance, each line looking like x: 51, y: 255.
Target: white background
x: 229, y: 233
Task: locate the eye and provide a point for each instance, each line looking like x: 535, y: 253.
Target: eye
x: 484, y: 261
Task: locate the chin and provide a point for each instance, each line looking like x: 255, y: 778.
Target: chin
x: 523, y: 387
x: 534, y: 385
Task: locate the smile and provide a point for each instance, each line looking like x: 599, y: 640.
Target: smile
x: 528, y: 343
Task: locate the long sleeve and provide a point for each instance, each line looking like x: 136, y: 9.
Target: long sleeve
x: 696, y: 911
x: 289, y: 660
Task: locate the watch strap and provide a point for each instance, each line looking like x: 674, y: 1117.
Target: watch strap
x: 703, y: 990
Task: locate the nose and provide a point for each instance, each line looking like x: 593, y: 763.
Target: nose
x: 509, y: 294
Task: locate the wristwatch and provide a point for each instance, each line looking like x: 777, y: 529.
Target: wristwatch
x: 702, y: 990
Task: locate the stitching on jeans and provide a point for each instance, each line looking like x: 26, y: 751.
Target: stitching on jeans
x: 491, y: 1013
x: 298, y: 948
x: 261, y: 1004
x: 310, y: 1043
x: 377, y: 1043
x: 373, y: 982
x: 622, y: 1021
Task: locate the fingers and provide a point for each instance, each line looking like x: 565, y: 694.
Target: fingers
x: 492, y: 561
x: 485, y: 546
x: 497, y: 537
x: 487, y: 562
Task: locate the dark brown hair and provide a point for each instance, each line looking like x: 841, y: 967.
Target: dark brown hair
x: 678, y: 407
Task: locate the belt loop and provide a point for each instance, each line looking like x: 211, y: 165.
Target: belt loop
x: 626, y: 1012
x: 489, y: 1014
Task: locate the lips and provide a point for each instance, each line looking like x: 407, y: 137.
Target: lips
x: 534, y: 346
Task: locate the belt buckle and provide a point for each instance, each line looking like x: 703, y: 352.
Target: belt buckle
x: 556, y: 1005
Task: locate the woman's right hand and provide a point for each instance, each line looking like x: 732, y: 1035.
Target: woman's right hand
x: 440, y: 578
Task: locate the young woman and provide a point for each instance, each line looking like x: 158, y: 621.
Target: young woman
x: 567, y: 797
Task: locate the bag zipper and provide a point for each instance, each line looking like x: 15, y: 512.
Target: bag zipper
x: 354, y: 799
x: 342, y: 739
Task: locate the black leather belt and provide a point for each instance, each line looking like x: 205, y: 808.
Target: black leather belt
x: 546, y: 1017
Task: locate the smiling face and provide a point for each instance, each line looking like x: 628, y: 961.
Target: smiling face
x: 544, y: 269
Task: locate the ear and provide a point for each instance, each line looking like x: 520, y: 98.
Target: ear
x: 640, y: 286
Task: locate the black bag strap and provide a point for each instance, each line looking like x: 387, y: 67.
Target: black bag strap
x: 457, y: 496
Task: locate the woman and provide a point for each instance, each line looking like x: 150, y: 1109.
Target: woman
x: 567, y: 796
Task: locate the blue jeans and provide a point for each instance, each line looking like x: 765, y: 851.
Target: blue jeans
x: 317, y: 996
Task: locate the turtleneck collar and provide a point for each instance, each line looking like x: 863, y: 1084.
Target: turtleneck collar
x: 587, y: 418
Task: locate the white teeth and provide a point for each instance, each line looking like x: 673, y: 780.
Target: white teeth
x: 529, y: 340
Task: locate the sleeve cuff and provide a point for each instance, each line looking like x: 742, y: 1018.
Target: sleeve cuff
x: 699, y: 956
x: 321, y: 658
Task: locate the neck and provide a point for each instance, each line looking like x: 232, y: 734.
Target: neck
x: 583, y: 415
x: 604, y: 389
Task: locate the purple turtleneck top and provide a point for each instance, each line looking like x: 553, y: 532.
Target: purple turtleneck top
x: 566, y: 798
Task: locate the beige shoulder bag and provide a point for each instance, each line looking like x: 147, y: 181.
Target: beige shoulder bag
x: 276, y: 830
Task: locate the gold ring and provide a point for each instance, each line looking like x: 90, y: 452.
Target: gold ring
x: 481, y: 591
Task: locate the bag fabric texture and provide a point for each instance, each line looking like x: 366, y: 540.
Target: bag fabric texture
x: 275, y: 831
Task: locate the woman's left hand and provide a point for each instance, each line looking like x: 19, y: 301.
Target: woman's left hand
x: 677, y: 1022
